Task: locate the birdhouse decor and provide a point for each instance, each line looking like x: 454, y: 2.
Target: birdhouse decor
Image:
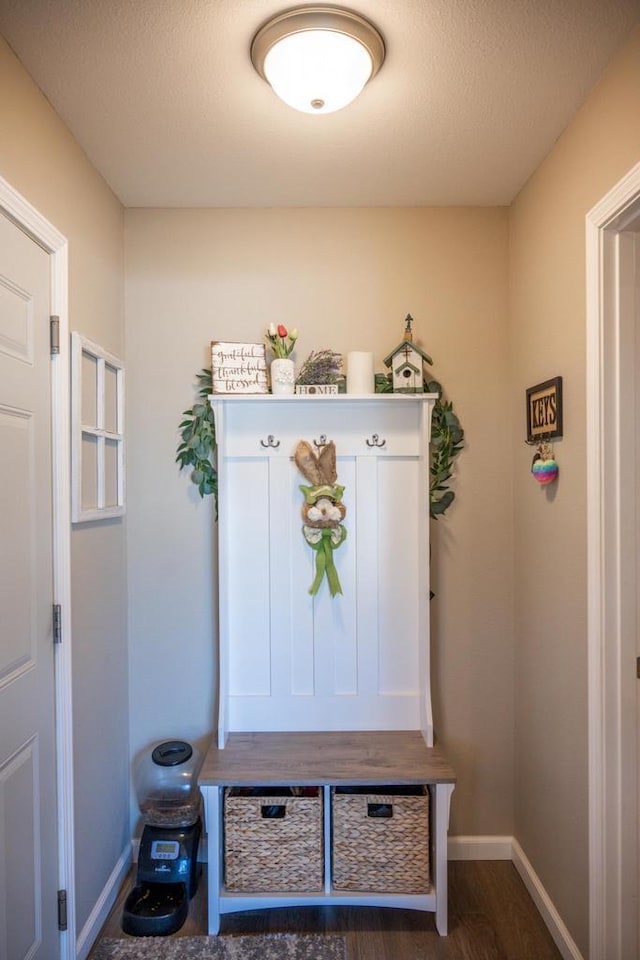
x: 406, y: 362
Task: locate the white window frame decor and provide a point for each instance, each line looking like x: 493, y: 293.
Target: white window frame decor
x: 100, y: 510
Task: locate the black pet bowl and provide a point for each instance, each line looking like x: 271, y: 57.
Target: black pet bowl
x: 155, y: 909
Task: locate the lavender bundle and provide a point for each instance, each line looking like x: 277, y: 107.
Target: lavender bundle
x: 321, y: 366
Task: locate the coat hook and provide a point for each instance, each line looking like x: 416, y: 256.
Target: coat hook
x: 270, y: 442
x: 375, y: 441
x: 322, y: 442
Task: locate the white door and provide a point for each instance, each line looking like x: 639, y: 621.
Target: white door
x: 28, y: 834
x: 626, y: 295
x: 633, y: 828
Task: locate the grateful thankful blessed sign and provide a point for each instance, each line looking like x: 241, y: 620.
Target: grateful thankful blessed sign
x: 238, y: 367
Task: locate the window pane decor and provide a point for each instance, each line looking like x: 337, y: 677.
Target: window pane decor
x: 97, y: 432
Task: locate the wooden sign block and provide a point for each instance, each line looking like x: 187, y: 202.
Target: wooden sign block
x: 544, y: 410
x: 238, y: 367
x: 316, y: 389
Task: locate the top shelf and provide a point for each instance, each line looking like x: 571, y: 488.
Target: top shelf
x: 356, y: 758
x: 324, y: 398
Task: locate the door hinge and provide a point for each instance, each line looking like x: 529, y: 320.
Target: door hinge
x: 57, y: 623
x: 638, y: 667
x: 54, y: 335
x: 62, y: 909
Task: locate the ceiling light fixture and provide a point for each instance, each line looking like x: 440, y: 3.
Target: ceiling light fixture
x: 317, y: 59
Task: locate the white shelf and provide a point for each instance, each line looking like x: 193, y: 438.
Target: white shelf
x: 324, y: 398
x: 238, y: 902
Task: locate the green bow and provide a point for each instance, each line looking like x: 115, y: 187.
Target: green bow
x: 333, y: 491
x: 324, y: 547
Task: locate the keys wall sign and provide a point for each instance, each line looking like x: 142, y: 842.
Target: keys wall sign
x: 544, y: 410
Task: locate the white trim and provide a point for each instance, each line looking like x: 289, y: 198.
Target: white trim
x: 508, y: 848
x: 103, y: 905
x: 480, y: 848
x: 605, y: 588
x: 595, y: 600
x: 485, y: 848
x: 45, y: 234
x: 563, y: 939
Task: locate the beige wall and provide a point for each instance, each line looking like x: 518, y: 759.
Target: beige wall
x: 547, y: 319
x: 41, y: 160
x: 346, y: 278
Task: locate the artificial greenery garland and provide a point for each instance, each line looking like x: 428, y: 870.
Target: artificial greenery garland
x: 198, y: 442
x: 447, y: 440
x: 198, y: 439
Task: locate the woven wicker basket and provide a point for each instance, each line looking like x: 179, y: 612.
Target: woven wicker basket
x: 381, y: 842
x: 273, y: 843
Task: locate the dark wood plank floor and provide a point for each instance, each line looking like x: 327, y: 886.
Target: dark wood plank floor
x: 491, y: 917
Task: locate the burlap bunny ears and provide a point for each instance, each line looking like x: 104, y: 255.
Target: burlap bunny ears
x: 318, y: 468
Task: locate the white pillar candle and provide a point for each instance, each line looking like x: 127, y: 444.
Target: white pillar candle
x: 360, y: 376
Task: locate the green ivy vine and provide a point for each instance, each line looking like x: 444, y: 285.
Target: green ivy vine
x: 198, y: 442
x: 447, y: 440
x: 198, y: 439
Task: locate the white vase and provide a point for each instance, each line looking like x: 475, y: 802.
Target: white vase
x: 282, y: 376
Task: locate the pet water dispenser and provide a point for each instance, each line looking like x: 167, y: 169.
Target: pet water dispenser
x: 169, y: 798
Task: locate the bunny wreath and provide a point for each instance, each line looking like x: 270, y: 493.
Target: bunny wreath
x: 198, y: 442
x: 323, y: 510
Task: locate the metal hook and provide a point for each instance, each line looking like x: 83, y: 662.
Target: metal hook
x: 375, y: 441
x: 270, y: 442
x: 322, y: 442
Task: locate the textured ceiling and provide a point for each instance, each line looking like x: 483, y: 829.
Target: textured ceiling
x: 162, y: 96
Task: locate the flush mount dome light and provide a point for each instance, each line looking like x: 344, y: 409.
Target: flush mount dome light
x: 317, y: 59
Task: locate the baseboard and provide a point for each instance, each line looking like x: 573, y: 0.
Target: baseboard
x: 104, y: 903
x: 507, y: 848
x: 563, y: 939
x: 480, y: 848
x: 459, y: 848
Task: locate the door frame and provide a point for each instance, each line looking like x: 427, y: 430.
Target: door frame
x: 611, y: 548
x: 20, y: 211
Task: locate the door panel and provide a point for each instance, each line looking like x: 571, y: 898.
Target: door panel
x: 16, y: 321
x: 20, y: 842
x: 28, y: 839
x: 17, y: 651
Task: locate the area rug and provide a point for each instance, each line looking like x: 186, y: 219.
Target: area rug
x: 271, y: 946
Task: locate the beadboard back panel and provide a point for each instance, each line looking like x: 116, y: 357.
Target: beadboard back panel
x: 291, y: 661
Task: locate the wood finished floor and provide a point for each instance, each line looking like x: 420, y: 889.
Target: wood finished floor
x: 491, y: 917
